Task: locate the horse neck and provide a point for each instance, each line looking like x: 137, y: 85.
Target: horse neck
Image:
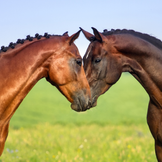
x: 28, y: 58
x: 144, y: 61
x: 21, y: 71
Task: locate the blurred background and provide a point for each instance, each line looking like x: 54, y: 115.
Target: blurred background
x: 121, y: 111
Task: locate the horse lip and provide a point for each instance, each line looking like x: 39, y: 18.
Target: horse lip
x: 76, y: 105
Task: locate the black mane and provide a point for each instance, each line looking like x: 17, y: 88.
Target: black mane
x: 156, y: 42
x: 21, y: 41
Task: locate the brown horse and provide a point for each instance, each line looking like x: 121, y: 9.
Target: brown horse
x: 23, y: 63
x: 112, y: 52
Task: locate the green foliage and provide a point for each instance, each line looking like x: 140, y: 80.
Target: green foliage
x: 44, y: 128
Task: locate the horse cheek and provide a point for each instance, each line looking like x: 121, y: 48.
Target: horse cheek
x: 113, y: 75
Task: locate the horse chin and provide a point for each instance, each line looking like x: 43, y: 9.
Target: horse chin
x: 94, y: 101
x: 99, y: 89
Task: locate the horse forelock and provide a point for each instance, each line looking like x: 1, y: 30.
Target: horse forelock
x: 153, y: 40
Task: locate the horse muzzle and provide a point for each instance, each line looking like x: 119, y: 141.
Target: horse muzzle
x: 81, y: 102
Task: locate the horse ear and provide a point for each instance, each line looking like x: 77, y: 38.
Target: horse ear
x: 87, y: 35
x: 65, y: 34
x: 100, y: 37
x: 73, y: 37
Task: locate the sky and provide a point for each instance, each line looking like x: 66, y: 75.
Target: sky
x: 20, y: 18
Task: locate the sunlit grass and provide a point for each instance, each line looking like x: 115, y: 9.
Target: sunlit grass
x: 70, y: 143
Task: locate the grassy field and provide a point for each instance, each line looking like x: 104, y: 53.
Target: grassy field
x: 44, y: 128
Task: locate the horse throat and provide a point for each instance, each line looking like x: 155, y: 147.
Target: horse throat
x: 144, y: 61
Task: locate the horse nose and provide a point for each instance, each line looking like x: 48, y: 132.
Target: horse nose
x: 81, y: 103
x: 85, y: 103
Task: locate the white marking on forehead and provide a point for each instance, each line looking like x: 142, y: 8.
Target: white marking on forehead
x: 88, y: 52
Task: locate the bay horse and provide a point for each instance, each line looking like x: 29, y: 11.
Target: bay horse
x: 112, y: 52
x: 22, y: 64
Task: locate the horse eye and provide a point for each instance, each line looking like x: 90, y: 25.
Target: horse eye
x: 79, y: 62
x: 97, y: 60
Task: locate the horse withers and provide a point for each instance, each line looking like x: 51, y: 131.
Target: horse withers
x: 112, y: 52
x: 23, y: 63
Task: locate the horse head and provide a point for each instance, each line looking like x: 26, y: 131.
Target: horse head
x: 67, y: 74
x: 102, y: 66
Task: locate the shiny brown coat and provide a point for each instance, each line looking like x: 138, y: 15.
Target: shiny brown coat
x: 54, y: 57
x: 112, y: 52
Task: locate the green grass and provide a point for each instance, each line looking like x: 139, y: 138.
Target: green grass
x: 45, y: 128
x: 125, y: 102
x: 89, y: 143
